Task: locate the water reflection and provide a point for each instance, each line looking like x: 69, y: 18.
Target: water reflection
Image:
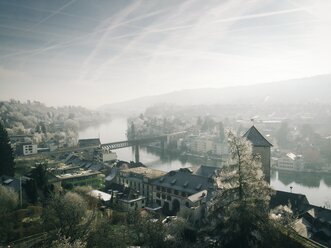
x: 311, y: 180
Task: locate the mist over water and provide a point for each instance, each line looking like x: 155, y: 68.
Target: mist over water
x: 316, y: 187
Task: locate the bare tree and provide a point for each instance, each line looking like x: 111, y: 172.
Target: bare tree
x: 68, y: 216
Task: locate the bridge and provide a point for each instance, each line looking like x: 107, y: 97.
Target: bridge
x: 164, y: 139
x: 135, y: 143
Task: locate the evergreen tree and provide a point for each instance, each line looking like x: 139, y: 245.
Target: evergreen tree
x: 6, y: 154
x: 240, y: 206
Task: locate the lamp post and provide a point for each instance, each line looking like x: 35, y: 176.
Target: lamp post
x: 21, y: 192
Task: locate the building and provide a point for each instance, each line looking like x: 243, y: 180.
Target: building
x: 104, y: 155
x: 132, y: 203
x: 202, y: 145
x: 312, y: 222
x: 261, y: 147
x: 315, y: 224
x: 29, y: 149
x: 183, y: 193
x: 140, y: 180
x: 20, y: 138
x: 290, y: 162
x: 26, y: 148
x: 81, y: 177
x: 104, y: 197
x: 89, y: 142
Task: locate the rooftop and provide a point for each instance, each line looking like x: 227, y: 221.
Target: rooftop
x: 100, y: 195
x: 185, y: 181
x: 146, y: 172
x: 80, y: 173
x: 257, y: 139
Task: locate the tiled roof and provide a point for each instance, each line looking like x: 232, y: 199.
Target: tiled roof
x: 299, y: 202
x: 257, y: 139
x: 146, y: 172
x: 206, y: 171
x: 183, y: 180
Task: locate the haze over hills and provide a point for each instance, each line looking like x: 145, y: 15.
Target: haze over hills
x: 314, y: 89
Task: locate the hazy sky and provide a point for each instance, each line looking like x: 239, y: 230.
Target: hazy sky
x: 89, y: 52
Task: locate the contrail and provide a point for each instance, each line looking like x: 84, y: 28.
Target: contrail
x: 49, y: 11
x: 237, y: 18
x: 51, y: 15
x: 114, y: 23
x: 82, y: 37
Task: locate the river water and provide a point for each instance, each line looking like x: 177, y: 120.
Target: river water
x: 317, y: 187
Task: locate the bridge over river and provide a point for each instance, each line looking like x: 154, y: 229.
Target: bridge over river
x: 163, y: 139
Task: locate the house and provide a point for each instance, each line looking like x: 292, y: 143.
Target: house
x: 290, y: 162
x: 140, y: 179
x: 298, y: 202
x: 261, y: 146
x: 315, y: 224
x: 26, y: 148
x: 77, y: 172
x: 20, y: 138
x: 183, y: 193
x: 134, y: 203
x: 18, y: 185
x: 104, y: 155
x: 206, y: 171
x: 104, y: 197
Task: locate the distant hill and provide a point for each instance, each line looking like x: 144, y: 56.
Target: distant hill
x: 315, y: 89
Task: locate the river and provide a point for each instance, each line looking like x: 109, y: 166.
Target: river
x: 317, y: 187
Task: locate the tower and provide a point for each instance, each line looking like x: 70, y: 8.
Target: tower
x: 261, y: 146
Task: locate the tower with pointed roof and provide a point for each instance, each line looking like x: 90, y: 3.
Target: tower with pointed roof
x: 262, y: 147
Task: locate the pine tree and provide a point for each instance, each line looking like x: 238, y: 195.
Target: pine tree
x: 6, y: 154
x: 239, y: 209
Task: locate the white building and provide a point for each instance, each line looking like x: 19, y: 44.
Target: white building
x: 29, y: 149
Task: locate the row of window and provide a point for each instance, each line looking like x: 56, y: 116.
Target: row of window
x: 170, y: 191
x: 136, y: 185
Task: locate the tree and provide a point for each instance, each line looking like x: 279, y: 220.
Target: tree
x: 68, y: 215
x: 8, y: 200
x: 6, y: 154
x: 108, y: 235
x: 65, y: 243
x: 8, y: 203
x: 239, y: 209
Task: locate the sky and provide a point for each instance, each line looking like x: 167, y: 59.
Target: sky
x: 90, y: 53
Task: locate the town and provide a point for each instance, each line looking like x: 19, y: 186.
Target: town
x: 94, y: 171
x: 189, y: 124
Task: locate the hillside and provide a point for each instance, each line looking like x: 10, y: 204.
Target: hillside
x: 297, y: 91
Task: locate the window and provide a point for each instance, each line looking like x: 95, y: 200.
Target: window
x: 163, y: 189
x: 169, y: 198
x: 131, y: 204
x: 158, y: 187
x: 184, y: 194
x: 142, y: 201
x: 158, y: 202
x: 163, y: 196
x: 158, y: 195
x: 187, y: 204
x: 169, y: 190
x: 176, y: 192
